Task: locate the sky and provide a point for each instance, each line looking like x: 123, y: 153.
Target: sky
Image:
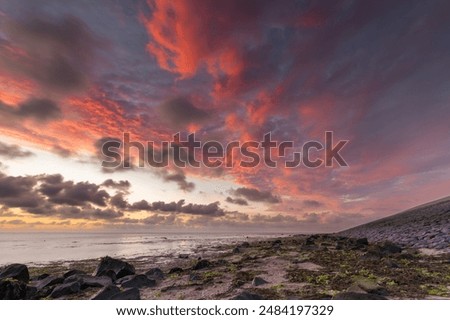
x: 74, y: 74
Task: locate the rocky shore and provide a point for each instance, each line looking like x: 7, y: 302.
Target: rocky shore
x: 425, y: 227
x: 404, y: 256
x: 296, y: 267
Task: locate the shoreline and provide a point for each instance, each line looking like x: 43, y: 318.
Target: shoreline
x: 326, y: 266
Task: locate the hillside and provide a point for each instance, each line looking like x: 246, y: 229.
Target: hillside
x: 424, y: 226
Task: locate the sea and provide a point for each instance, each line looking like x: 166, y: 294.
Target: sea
x: 44, y: 248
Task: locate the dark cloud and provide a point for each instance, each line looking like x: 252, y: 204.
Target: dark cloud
x: 17, y: 192
x: 39, y: 110
x: 121, y: 185
x: 52, y: 195
x: 238, y: 201
x: 118, y: 201
x: 180, y: 179
x: 255, y: 195
x: 181, y: 112
x: 12, y: 151
x: 142, y: 205
x: 76, y: 194
x: 57, y: 52
x: 312, y: 203
x: 211, y: 209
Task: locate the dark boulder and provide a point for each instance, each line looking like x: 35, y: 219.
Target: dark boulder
x: 119, y: 267
x: 16, y: 271
x: 106, y: 293
x: 31, y: 293
x: 183, y: 256
x: 245, y: 244
x: 258, y: 281
x: 357, y: 296
x: 175, y: 270
x: 236, y: 250
x: 362, y: 242
x: 73, y: 272
x: 388, y: 247
x: 245, y: 295
x: 48, y: 282
x: 110, y: 274
x: 65, y: 289
x: 155, y: 273
x: 87, y: 281
x: 11, y: 289
x: 201, y: 264
x: 42, y: 276
x: 136, y: 281
x: 128, y: 294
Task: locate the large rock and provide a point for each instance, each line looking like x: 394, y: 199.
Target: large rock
x: 128, y: 294
x: 48, y: 282
x: 73, y: 272
x: 155, y: 273
x: 258, y: 281
x: 119, y: 267
x: 16, y: 271
x: 11, y: 289
x: 201, y: 264
x: 388, y: 247
x: 175, y: 270
x: 87, y: 281
x: 357, y: 296
x: 245, y: 295
x: 136, y: 281
x: 106, y: 293
x: 65, y: 289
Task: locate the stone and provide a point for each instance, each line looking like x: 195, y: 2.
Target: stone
x: 245, y: 244
x: 136, y: 281
x: 245, y: 295
x: 87, y: 281
x: 31, y: 293
x: 73, y: 272
x: 110, y: 274
x: 258, y: 281
x: 119, y: 267
x: 48, y: 282
x: 201, y: 264
x: 155, y: 273
x: 65, y: 289
x: 16, y: 271
x: 362, y: 242
x: 128, y: 294
x: 183, y: 256
x: 106, y: 293
x: 310, y: 241
x: 42, y: 276
x: 175, y: 270
x: 11, y: 289
x: 388, y: 247
x: 236, y: 250
x: 357, y: 296
x: 276, y: 242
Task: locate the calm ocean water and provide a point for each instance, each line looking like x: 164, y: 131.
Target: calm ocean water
x: 41, y: 248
